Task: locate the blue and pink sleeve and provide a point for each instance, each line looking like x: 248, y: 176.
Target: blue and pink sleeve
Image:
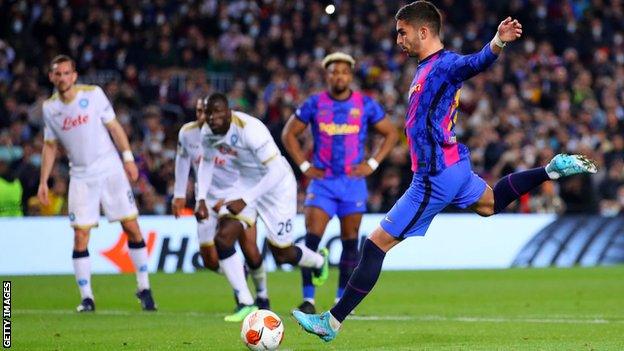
x: 467, y: 66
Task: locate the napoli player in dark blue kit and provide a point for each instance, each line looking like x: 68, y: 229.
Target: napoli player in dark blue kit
x: 441, y: 166
x: 339, y: 119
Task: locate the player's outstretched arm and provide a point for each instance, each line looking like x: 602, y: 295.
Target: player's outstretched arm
x: 467, y: 66
x: 182, y: 169
x: 123, y: 145
x: 508, y: 30
x: 48, y: 155
x: 276, y: 171
x: 293, y: 128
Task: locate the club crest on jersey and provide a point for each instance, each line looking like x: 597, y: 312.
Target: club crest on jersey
x: 83, y: 103
x: 415, y: 89
x: 69, y: 123
x: 355, y: 112
x: 234, y: 139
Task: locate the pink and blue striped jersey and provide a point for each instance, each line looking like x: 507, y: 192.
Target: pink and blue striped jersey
x: 432, y: 111
x: 339, y: 129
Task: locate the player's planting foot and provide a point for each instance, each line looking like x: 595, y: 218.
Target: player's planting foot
x: 319, y: 276
x: 263, y: 303
x: 87, y: 305
x: 317, y: 324
x: 146, y: 299
x: 241, y: 313
x: 307, y: 307
x: 564, y: 165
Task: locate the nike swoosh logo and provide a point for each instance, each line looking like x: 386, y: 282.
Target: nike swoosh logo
x: 388, y: 219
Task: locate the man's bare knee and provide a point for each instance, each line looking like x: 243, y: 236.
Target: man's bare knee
x: 283, y: 255
x: 132, y: 230
x: 81, y: 239
x: 209, y: 257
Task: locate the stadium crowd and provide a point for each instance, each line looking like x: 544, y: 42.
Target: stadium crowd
x: 559, y: 89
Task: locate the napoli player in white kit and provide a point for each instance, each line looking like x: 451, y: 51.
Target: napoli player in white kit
x: 81, y: 118
x: 225, y: 175
x: 266, y: 187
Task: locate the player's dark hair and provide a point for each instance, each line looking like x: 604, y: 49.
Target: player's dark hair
x: 62, y: 58
x: 421, y: 12
x: 215, y: 97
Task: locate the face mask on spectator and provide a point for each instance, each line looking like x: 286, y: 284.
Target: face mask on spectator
x: 160, y: 208
x: 35, y: 160
x: 118, y: 15
x: 17, y: 26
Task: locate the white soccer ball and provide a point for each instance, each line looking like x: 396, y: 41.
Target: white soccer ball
x: 262, y: 330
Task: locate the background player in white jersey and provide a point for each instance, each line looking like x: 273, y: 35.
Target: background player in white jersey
x: 225, y: 175
x: 266, y: 187
x: 81, y: 118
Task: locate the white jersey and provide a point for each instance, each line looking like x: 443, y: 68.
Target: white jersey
x: 189, y: 154
x: 80, y: 127
x: 250, y: 147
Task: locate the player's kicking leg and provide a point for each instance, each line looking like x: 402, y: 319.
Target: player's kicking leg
x: 362, y: 281
x: 138, y: 254
x: 82, y: 268
x: 514, y: 185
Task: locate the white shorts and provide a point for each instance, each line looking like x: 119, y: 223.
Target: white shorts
x: 277, y: 209
x: 111, y: 190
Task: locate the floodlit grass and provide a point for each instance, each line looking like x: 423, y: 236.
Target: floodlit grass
x: 515, y: 309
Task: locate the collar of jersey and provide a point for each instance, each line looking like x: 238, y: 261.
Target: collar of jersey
x: 223, y: 138
x: 429, y: 57
x: 338, y: 100
x: 72, y: 100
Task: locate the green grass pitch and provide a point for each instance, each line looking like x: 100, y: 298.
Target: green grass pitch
x: 515, y: 309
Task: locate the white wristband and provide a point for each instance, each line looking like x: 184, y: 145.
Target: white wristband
x: 127, y: 156
x: 498, y: 42
x: 304, y: 166
x: 372, y: 163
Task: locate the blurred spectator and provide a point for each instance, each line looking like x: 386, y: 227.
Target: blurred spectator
x: 559, y: 89
x: 10, y: 190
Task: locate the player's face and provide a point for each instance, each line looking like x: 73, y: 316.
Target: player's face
x: 199, y: 111
x: 218, y: 117
x: 63, y: 76
x: 339, y: 76
x: 408, y: 38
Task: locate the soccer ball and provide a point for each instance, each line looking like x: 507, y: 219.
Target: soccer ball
x: 262, y: 330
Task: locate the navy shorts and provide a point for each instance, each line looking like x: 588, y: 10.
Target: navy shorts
x: 428, y: 195
x: 340, y: 196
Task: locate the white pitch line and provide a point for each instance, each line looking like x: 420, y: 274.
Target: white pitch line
x: 428, y: 318
x: 118, y: 313
x: 484, y: 319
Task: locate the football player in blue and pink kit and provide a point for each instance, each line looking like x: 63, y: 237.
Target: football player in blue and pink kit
x: 441, y: 166
x: 340, y: 119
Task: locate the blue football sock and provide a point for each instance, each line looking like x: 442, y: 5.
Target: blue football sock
x: 348, y: 262
x: 362, y: 281
x: 312, y: 242
x: 512, y: 186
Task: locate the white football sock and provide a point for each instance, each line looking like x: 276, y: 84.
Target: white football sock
x: 334, y: 323
x: 309, y: 258
x: 235, y: 274
x: 259, y: 278
x: 139, y: 258
x: 82, y: 271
